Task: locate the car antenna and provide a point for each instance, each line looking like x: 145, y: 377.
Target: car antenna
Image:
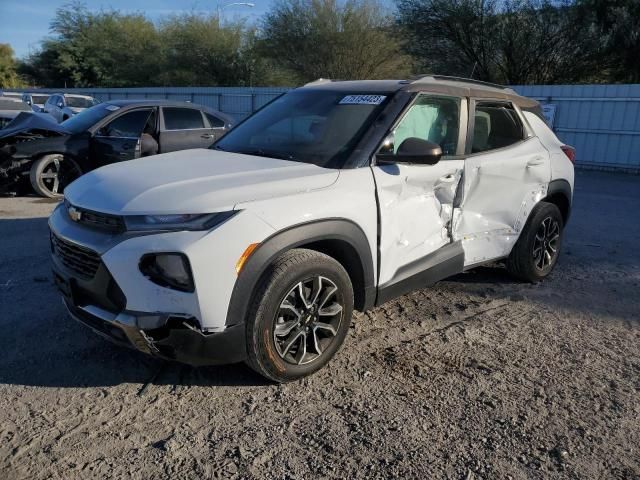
x: 473, y: 69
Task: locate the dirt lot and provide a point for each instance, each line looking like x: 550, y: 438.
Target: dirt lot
x: 478, y: 377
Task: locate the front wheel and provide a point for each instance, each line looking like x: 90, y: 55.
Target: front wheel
x: 536, y: 251
x: 50, y: 175
x: 300, y: 315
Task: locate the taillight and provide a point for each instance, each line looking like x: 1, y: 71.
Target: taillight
x: 570, y: 152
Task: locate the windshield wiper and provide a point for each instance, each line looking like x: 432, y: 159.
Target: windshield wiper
x: 265, y: 153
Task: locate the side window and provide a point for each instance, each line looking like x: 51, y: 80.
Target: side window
x: 182, y: 118
x: 214, y: 121
x: 496, y: 125
x: 129, y: 125
x: 436, y: 119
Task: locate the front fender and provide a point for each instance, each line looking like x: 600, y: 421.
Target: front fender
x: 336, y: 229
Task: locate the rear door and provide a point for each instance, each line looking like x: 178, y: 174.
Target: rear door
x: 119, y: 139
x: 416, y: 201
x: 506, y: 172
x: 182, y: 128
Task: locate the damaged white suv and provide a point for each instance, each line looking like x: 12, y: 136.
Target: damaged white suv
x: 335, y: 196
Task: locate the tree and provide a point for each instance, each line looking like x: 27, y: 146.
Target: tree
x: 203, y: 51
x: 617, y: 24
x: 309, y: 39
x: 508, y: 41
x: 8, y: 68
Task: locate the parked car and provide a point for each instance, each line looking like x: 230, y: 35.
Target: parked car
x: 51, y: 155
x: 10, y: 108
x: 14, y: 95
x: 35, y: 100
x: 335, y: 196
x: 63, y: 106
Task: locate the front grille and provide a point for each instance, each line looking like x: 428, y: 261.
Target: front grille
x: 80, y: 260
x: 101, y: 221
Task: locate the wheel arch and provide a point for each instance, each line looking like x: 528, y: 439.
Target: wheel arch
x: 340, y: 239
x: 559, y: 193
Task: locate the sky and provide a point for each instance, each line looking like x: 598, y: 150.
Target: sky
x: 24, y: 23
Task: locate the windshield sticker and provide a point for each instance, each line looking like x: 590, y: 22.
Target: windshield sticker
x: 362, y: 100
x: 113, y: 108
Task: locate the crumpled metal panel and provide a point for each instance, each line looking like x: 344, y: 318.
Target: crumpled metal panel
x: 500, y: 189
x: 416, y: 206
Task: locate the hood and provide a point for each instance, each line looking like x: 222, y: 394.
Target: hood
x: 193, y: 181
x: 31, y: 122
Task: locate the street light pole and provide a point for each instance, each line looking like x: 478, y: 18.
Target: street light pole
x: 220, y: 8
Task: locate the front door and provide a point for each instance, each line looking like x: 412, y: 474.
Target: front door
x: 416, y: 201
x: 506, y: 173
x: 184, y: 128
x: 119, y: 140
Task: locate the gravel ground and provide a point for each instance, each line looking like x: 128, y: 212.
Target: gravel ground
x: 478, y: 377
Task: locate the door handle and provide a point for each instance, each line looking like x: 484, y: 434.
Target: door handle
x: 535, y: 161
x: 450, y: 177
x: 207, y: 135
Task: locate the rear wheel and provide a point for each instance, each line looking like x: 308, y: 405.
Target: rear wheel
x: 51, y: 174
x: 536, y: 251
x: 300, y: 315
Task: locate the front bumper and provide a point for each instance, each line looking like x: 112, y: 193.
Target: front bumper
x: 175, y: 339
x: 98, y: 303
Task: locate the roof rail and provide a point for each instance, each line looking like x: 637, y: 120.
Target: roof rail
x: 320, y: 80
x: 417, y: 78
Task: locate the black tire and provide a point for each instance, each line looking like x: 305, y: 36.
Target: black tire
x: 280, y: 285
x: 50, y: 175
x: 535, y: 253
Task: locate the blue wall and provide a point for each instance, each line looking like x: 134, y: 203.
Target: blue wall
x: 601, y: 121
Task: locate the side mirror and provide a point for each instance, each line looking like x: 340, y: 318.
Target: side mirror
x: 60, y: 105
x: 413, y: 151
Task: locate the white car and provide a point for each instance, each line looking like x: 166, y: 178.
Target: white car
x: 35, y: 100
x: 335, y: 196
x: 63, y: 106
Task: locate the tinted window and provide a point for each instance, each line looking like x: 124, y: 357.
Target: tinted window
x: 311, y: 126
x: 79, y: 102
x: 182, y: 118
x: 214, y: 121
x: 435, y: 119
x: 39, y: 99
x: 496, y: 125
x: 129, y: 125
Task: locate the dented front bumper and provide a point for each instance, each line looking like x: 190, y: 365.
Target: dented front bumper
x: 98, y: 303
x: 170, y: 338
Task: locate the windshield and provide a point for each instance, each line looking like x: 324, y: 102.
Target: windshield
x: 39, y: 99
x: 79, y: 102
x: 88, y: 118
x: 310, y: 126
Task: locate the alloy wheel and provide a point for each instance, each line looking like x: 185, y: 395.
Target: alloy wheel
x: 545, y: 244
x: 58, y: 173
x: 308, y: 320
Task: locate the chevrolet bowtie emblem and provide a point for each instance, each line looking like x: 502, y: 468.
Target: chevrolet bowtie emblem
x: 74, y: 214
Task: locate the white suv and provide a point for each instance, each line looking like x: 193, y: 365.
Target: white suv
x: 335, y: 196
x: 63, y: 106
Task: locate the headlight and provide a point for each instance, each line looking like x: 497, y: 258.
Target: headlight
x: 171, y: 270
x: 199, y: 221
